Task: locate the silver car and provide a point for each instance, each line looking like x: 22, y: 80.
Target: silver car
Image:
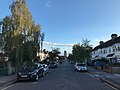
x: 80, y: 67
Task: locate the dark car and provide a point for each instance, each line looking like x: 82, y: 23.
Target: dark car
x: 60, y: 61
x: 46, y: 68
x: 30, y: 73
x: 53, y: 65
x: 99, y: 64
x: 71, y: 62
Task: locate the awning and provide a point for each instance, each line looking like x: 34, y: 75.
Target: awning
x: 110, y: 55
x: 96, y: 56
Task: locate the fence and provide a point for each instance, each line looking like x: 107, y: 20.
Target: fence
x: 3, y: 71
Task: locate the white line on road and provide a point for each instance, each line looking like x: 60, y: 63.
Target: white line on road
x: 34, y: 83
x: 91, y: 75
x: 94, y: 77
x: 111, y: 86
x: 8, y: 87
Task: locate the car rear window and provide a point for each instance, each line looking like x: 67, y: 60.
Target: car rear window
x: 80, y: 64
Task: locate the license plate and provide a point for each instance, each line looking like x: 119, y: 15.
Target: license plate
x: 82, y: 69
x: 24, y: 76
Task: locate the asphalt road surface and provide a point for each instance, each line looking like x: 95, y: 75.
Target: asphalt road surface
x: 62, y: 78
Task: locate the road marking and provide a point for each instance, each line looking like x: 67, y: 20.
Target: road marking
x: 117, y: 75
x: 94, y: 76
x: 8, y: 87
x: 111, y: 86
x: 104, y: 83
x: 65, y: 75
x: 34, y: 83
x: 91, y: 75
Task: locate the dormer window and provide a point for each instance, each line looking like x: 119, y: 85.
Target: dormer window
x: 104, y: 51
x: 109, y: 50
x: 113, y: 49
x: 119, y: 48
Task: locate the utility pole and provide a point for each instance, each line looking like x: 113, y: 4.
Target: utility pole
x: 0, y: 26
x: 42, y: 39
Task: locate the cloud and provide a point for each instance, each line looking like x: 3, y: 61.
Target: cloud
x: 48, y: 4
x: 57, y: 44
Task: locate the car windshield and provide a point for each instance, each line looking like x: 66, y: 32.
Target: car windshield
x: 35, y: 66
x: 30, y: 67
x: 80, y: 64
x: 53, y: 63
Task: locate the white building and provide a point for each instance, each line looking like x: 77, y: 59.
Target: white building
x: 109, y: 49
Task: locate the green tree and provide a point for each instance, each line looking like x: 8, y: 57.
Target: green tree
x: 82, y: 53
x: 78, y: 53
x: 53, y: 54
x: 87, y: 48
x: 21, y: 34
x: 70, y: 57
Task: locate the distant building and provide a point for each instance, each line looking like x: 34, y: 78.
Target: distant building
x: 65, y: 53
x: 109, y: 49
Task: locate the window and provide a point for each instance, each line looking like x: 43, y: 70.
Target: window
x: 113, y: 49
x: 104, y: 51
x: 119, y: 48
x: 109, y: 50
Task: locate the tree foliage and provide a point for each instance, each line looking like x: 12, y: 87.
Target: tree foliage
x: 82, y: 52
x: 70, y: 57
x: 53, y: 54
x: 20, y: 34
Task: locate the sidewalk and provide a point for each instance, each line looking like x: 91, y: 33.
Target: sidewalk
x: 7, y: 80
x: 112, y: 79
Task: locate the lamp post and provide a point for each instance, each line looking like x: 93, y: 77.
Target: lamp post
x: 42, y: 39
x: 0, y: 25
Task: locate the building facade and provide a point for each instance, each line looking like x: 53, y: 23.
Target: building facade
x: 109, y: 50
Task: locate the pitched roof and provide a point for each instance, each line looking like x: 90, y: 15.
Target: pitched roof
x: 107, y: 43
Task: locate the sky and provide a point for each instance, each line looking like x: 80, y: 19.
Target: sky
x: 67, y: 22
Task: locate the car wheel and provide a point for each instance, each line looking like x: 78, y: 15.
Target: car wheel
x: 18, y: 80
x: 36, y: 77
x: 43, y: 74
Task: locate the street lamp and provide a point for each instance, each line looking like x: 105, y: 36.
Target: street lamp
x: 0, y: 25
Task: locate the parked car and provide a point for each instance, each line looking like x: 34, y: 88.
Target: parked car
x: 71, y: 62
x: 46, y: 68
x: 99, y: 64
x: 80, y: 67
x: 31, y: 72
x: 60, y: 61
x: 53, y: 65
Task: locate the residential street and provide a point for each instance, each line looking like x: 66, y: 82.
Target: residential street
x: 60, y: 45
x: 62, y: 78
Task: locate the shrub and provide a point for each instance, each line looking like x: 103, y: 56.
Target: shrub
x: 116, y: 64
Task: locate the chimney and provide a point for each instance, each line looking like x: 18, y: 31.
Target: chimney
x: 113, y: 36
x: 101, y: 42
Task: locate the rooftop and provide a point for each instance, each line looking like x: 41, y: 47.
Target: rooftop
x: 108, y: 43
